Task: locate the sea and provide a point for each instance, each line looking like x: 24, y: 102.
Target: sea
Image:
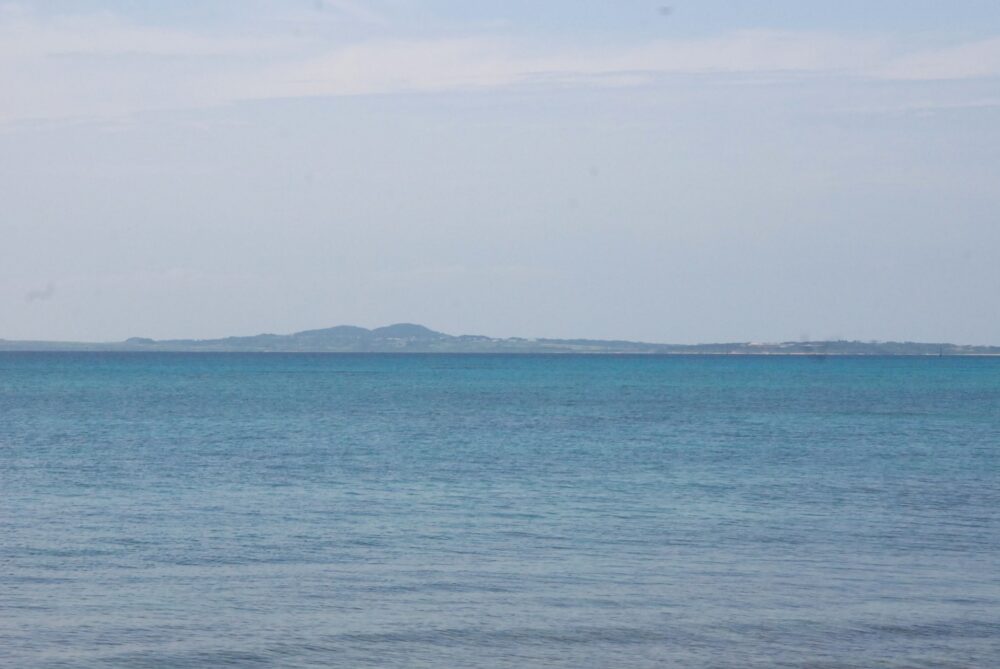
x: 170, y: 510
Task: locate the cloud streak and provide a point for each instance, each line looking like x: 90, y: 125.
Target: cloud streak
x: 101, y: 64
x: 979, y: 59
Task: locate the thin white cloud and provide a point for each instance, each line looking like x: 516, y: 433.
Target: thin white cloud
x: 101, y: 65
x: 973, y: 60
x: 390, y: 66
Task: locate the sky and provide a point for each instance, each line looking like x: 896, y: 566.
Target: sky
x: 660, y: 171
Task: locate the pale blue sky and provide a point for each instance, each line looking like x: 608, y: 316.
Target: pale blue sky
x: 722, y: 171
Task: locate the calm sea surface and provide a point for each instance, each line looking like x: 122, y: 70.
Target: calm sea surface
x: 174, y: 510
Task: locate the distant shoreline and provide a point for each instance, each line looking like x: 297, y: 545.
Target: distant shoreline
x: 592, y: 354
x: 407, y: 338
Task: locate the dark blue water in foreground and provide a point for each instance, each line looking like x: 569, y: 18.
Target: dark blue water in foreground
x: 489, y: 511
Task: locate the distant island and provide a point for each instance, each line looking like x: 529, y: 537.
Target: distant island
x: 411, y: 338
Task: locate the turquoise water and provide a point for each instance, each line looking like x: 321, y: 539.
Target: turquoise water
x: 175, y: 510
